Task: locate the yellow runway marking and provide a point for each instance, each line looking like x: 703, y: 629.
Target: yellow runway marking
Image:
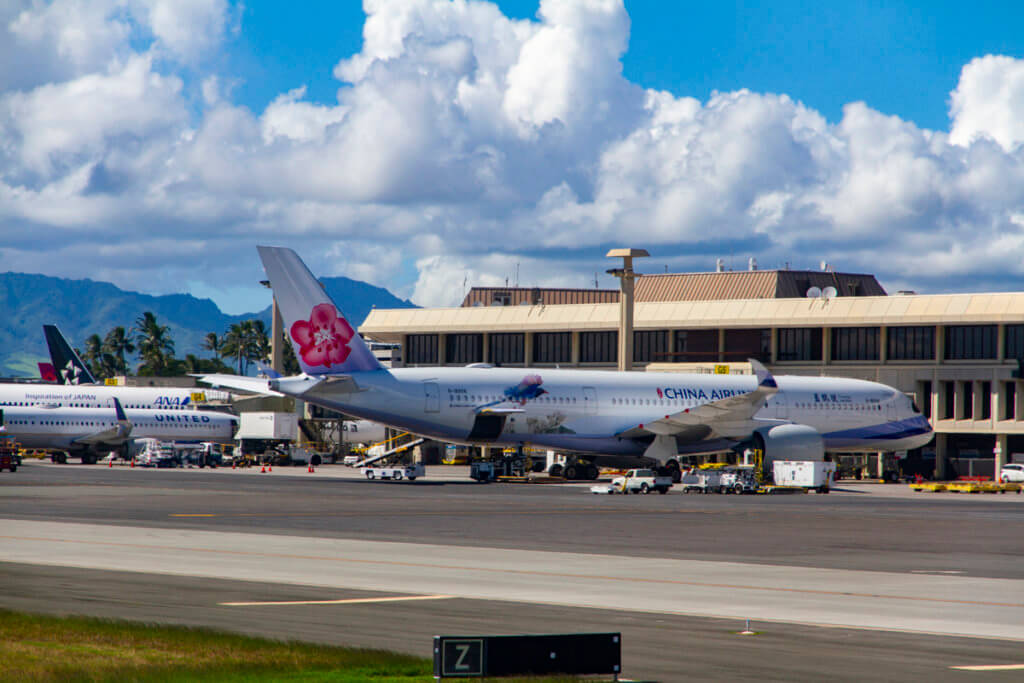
x: 350, y: 601
x: 519, y: 572
x: 990, y: 667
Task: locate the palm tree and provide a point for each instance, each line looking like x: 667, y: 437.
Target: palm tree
x: 93, y: 355
x: 156, y: 348
x: 118, y: 342
x: 211, y: 342
x: 245, y: 342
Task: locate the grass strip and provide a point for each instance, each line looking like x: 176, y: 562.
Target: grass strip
x: 46, y: 648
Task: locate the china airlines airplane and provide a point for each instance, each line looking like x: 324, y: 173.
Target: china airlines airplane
x: 657, y: 416
x: 91, y: 432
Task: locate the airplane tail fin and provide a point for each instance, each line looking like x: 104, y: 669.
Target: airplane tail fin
x: 70, y: 368
x: 325, y: 342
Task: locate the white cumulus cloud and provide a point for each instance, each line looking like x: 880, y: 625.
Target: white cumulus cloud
x: 464, y: 145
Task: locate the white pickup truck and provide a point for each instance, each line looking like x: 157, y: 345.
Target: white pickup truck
x: 641, y: 481
x: 395, y: 473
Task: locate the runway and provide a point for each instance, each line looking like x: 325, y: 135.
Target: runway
x: 845, y: 567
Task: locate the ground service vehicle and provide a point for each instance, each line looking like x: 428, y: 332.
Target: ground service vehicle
x: 804, y: 474
x: 8, y: 453
x: 642, y: 481
x: 395, y: 473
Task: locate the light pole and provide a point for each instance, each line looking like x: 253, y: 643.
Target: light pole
x: 626, y: 277
x: 276, y: 327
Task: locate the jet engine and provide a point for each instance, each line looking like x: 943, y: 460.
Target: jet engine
x: 789, y: 442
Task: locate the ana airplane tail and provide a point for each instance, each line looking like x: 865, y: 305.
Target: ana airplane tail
x: 324, y: 341
x: 69, y: 367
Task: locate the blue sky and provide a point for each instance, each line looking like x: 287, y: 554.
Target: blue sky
x: 156, y: 143
x: 901, y: 58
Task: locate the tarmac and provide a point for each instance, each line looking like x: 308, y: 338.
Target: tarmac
x: 871, y: 581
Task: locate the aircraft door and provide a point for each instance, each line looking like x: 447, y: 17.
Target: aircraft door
x: 589, y: 401
x: 432, y: 395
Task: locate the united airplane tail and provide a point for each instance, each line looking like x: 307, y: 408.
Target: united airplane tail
x: 325, y: 342
x: 69, y: 367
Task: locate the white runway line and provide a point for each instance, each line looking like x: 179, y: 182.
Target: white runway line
x: 348, y: 601
x: 990, y: 667
x: 895, y: 601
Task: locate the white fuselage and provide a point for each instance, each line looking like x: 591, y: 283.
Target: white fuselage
x: 97, y: 396
x: 585, y: 411
x: 64, y: 428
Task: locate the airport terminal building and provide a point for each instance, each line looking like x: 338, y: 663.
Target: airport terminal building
x: 957, y: 355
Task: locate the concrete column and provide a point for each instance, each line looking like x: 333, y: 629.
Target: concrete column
x: 775, y: 345
x: 485, y: 348
x: 527, y: 349
x: 1018, y: 406
x: 940, y: 343
x: 721, y: 345
x: 941, y: 447
x: 1000, y: 453
x: 826, y: 345
x: 979, y: 399
x: 277, y: 340
x: 441, y: 347
x: 1001, y: 343
x: 883, y: 344
x: 998, y: 398
x: 627, y: 277
x: 958, y: 400
x: 574, y: 357
x: 936, y: 398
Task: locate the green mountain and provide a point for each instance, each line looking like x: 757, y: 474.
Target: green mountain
x: 81, y: 308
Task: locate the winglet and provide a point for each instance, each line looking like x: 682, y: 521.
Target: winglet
x: 124, y: 426
x: 764, y: 378
x: 119, y: 411
x: 265, y: 370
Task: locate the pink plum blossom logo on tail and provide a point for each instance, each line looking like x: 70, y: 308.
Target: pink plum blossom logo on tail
x: 323, y: 339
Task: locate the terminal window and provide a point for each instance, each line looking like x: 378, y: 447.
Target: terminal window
x: 507, y: 348
x: 463, y: 349
x: 1015, y: 341
x: 421, y: 349
x: 599, y: 347
x: 911, y: 343
x: 552, y: 347
x: 696, y: 346
x: 743, y: 344
x: 800, y: 343
x: 650, y: 346
x: 971, y: 342
x: 855, y: 343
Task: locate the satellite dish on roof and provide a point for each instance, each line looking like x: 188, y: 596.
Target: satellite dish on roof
x: 813, y: 293
x: 828, y: 293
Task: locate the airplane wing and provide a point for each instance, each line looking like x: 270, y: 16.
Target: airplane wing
x: 117, y: 434
x: 727, y: 417
x: 255, y: 385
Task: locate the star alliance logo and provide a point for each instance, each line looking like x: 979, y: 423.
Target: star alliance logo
x: 71, y: 373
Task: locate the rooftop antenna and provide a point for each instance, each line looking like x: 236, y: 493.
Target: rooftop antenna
x: 595, y: 281
x: 517, y: 274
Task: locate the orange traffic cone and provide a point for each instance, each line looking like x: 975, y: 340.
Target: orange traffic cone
x: 111, y: 461
x: 310, y: 469
x: 270, y: 467
x: 133, y: 462
x: 263, y: 469
x: 232, y: 464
